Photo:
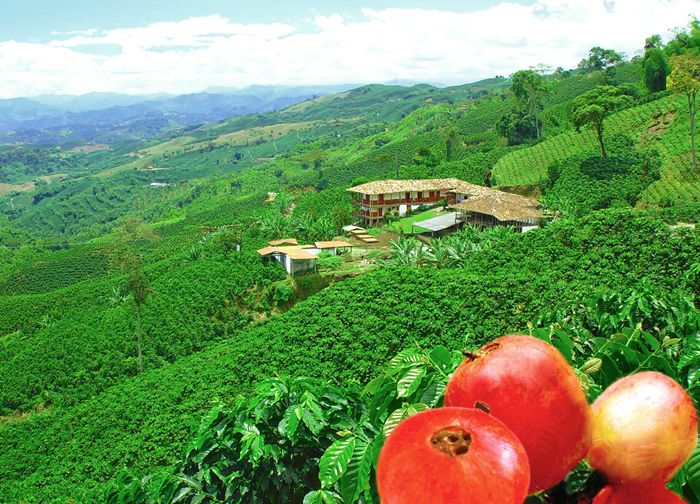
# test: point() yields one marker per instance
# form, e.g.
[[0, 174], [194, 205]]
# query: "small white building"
[[301, 258], [295, 258]]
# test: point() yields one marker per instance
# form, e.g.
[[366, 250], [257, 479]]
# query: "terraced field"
[[660, 124]]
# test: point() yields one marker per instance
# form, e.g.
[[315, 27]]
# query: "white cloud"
[[375, 46]]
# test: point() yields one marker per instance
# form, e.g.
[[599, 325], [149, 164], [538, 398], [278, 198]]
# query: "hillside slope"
[[141, 422], [661, 124]]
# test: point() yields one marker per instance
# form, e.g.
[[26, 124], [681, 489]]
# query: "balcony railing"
[[404, 201]]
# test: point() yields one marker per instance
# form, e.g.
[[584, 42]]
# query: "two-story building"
[[476, 204], [373, 200]]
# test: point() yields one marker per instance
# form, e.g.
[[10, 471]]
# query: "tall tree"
[[687, 40], [529, 89], [450, 134], [655, 65], [593, 107], [127, 257], [685, 79], [600, 59]]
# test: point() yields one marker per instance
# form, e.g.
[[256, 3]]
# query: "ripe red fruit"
[[450, 455], [644, 428], [648, 493], [527, 383]]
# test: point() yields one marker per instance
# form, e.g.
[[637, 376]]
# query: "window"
[[374, 197]]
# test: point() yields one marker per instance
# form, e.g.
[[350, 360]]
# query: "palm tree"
[[495, 234], [440, 253], [322, 228], [406, 251], [275, 225]]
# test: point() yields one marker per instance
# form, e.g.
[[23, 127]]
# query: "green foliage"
[[580, 185], [593, 107], [685, 79], [615, 334], [517, 127], [530, 166], [328, 262], [264, 449], [656, 69], [35, 271], [600, 59], [685, 41], [530, 89], [283, 293], [186, 311], [294, 436], [23, 163], [142, 422], [452, 251], [75, 409], [604, 337]]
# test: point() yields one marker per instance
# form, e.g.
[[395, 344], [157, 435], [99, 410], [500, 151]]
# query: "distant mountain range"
[[111, 117]]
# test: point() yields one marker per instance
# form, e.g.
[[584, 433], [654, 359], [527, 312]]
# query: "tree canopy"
[[685, 79], [593, 107], [655, 65], [600, 59], [529, 89]]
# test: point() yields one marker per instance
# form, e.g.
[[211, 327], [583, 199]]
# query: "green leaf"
[[670, 342], [331, 498], [432, 395], [290, 421], [393, 420], [211, 417], [692, 471], [335, 460], [397, 416], [441, 357], [312, 414], [407, 355], [563, 343], [373, 386], [410, 381], [356, 478], [651, 341], [379, 405], [592, 366], [322, 497]]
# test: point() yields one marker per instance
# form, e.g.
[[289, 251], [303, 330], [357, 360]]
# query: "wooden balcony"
[[395, 202]]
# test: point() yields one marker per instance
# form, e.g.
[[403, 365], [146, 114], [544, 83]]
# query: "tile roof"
[[299, 255], [447, 184], [290, 241], [392, 186], [283, 250], [501, 206], [332, 244]]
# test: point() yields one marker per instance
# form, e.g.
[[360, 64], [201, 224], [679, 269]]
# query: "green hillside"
[[661, 124], [327, 336]]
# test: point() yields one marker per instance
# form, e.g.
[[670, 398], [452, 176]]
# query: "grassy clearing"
[[8, 188], [406, 226], [264, 133]]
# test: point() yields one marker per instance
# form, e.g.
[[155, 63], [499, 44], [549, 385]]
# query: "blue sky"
[[183, 46], [36, 20]]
